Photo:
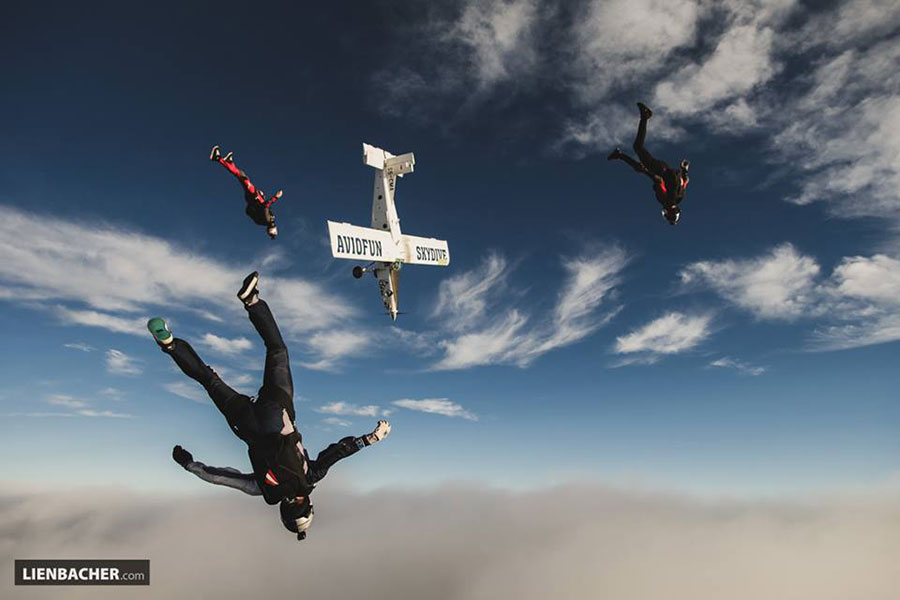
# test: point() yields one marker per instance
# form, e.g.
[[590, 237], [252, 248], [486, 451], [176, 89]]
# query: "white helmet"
[[667, 215], [297, 516]]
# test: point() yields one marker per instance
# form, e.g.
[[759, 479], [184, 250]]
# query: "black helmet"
[[297, 516]]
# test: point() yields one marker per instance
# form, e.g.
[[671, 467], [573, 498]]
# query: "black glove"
[[182, 456]]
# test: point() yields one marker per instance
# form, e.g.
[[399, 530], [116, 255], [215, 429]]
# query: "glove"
[[182, 456]]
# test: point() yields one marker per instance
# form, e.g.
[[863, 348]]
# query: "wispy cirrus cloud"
[[115, 277], [726, 67], [119, 363], [672, 333], [349, 409], [79, 346], [76, 408], [334, 345], [226, 346], [477, 330], [777, 285], [66, 401], [856, 305], [481, 45], [188, 391], [740, 366], [436, 406]]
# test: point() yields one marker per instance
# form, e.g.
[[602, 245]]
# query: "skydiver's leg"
[[241, 176], [229, 402], [619, 155], [278, 385], [652, 165]]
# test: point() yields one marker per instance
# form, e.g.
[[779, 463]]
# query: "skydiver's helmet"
[[672, 214], [297, 516]]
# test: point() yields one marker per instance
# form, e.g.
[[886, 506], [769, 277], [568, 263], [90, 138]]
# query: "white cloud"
[[460, 55], [670, 334], [497, 33], [508, 336], [617, 41], [79, 346], [93, 318], [599, 543], [335, 345], [336, 422], [104, 414], [115, 277], [114, 393], [875, 278], [188, 391], [857, 305], [232, 377], [224, 345], [119, 363], [79, 408], [741, 61], [777, 285], [463, 299], [348, 409], [845, 134], [738, 365], [67, 401], [41, 415], [436, 406]]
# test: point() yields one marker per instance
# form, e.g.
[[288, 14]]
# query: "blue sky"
[[575, 335]]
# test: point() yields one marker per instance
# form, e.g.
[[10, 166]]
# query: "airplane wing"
[[361, 243], [425, 251]]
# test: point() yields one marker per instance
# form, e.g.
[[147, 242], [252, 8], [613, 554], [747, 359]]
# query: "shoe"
[[272, 231], [248, 294], [229, 158], [214, 154], [646, 113], [182, 456], [278, 195], [160, 331], [382, 429], [615, 154]]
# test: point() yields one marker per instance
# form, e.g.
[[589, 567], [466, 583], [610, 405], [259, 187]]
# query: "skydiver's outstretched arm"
[[226, 476], [342, 449]]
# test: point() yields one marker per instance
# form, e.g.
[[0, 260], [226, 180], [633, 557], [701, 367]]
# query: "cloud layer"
[[573, 542]]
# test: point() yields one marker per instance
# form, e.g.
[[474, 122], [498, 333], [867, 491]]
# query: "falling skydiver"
[[669, 185], [258, 207], [282, 473]]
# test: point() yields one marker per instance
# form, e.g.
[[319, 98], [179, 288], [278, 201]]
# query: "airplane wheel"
[[358, 272]]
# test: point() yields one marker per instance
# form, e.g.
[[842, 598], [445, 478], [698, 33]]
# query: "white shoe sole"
[[247, 290]]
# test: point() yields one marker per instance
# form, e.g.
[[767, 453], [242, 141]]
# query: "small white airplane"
[[384, 245]]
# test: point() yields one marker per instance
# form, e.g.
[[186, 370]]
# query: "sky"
[[748, 352]]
